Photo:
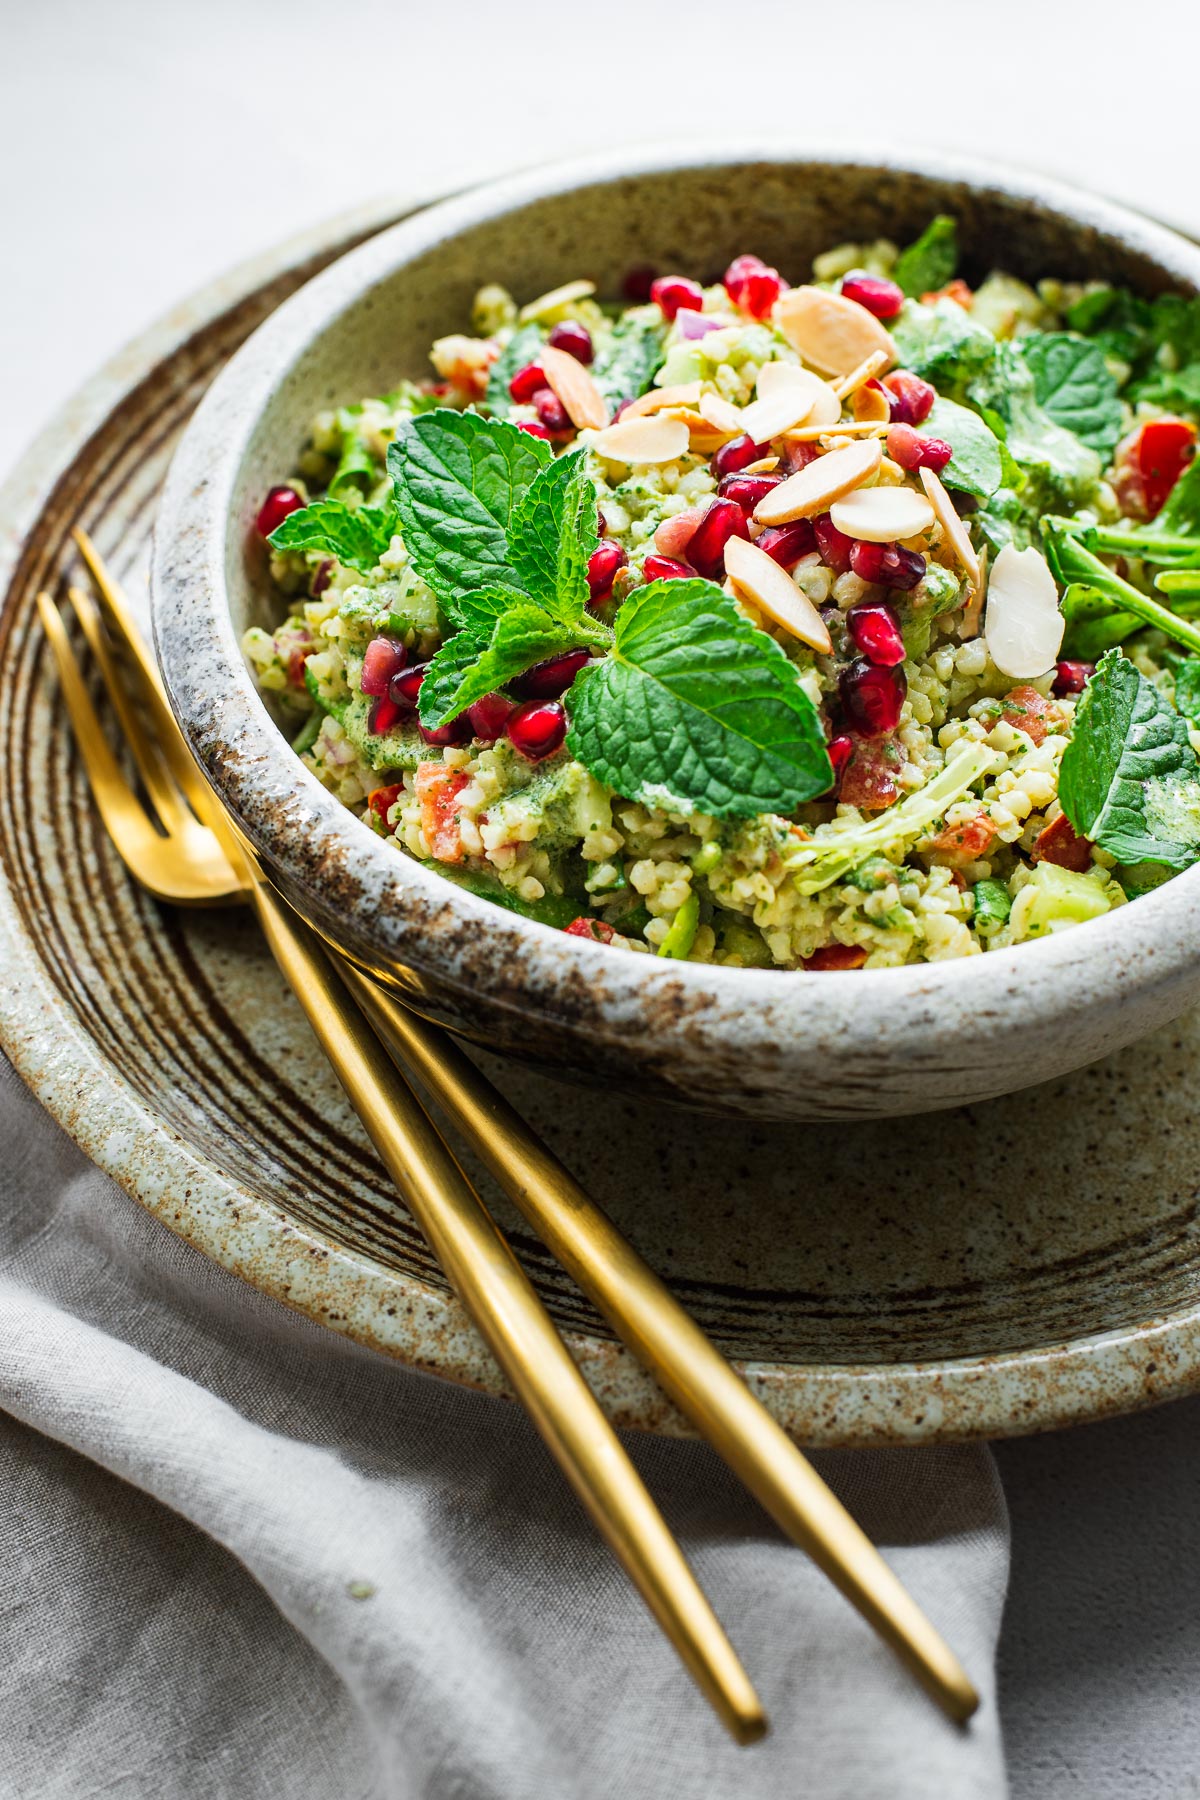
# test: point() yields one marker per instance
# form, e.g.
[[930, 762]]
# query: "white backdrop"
[[147, 147]]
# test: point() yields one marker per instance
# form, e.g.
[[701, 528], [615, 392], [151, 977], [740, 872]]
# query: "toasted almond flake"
[[782, 377], [1023, 627], [585, 404], [760, 579], [843, 428], [764, 466], [968, 625], [831, 333], [658, 439], [866, 369], [779, 412], [814, 489], [881, 515], [952, 525], [871, 403], [559, 296], [703, 437], [721, 414], [685, 393]]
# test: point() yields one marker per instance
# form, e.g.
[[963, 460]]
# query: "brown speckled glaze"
[[1002, 1268], [755, 1044]]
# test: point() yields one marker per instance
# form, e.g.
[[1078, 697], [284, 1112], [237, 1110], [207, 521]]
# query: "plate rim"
[[843, 1405]]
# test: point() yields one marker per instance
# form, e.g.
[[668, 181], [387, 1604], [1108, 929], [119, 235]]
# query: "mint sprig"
[[355, 536], [1129, 779], [697, 710], [553, 533]]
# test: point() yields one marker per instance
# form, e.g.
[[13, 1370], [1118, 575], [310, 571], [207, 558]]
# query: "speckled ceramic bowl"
[[757, 1044]]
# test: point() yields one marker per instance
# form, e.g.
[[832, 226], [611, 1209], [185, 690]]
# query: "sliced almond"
[[765, 465], [832, 334], [813, 489], [771, 589], [765, 419], [865, 372], [842, 428], [658, 439], [704, 438], [951, 524], [585, 404], [783, 377], [1023, 627], [870, 403], [721, 414], [559, 296], [774, 376], [685, 393], [972, 612], [881, 515]]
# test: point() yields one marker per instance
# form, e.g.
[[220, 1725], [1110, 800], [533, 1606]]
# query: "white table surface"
[[148, 147]]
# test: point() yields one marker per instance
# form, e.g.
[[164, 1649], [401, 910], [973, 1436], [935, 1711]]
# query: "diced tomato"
[[955, 290], [437, 790], [836, 956], [295, 665], [869, 777], [1165, 447], [597, 931], [967, 841], [381, 801], [1061, 844], [1030, 712]]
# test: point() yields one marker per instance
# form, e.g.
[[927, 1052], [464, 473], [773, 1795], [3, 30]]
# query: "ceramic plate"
[[995, 1270]]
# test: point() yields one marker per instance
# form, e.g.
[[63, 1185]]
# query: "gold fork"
[[644, 1312]]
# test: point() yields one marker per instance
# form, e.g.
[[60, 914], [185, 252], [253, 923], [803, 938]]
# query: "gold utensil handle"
[[663, 1337], [496, 1292]]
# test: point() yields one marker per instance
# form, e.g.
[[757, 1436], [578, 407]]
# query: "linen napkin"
[[243, 1557]]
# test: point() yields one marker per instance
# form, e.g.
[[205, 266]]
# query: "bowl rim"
[[415, 914]]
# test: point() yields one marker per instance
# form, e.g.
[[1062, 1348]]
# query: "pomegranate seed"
[[534, 427], [575, 339], [384, 714], [882, 298], [597, 931], [935, 454], [320, 580], [384, 658], [1072, 677], [548, 680], [280, 501], [875, 629], [747, 490], [665, 568], [602, 567], [736, 454], [753, 285], [489, 716], [833, 544], [798, 456], [537, 728], [638, 283], [706, 546], [458, 731], [910, 398], [526, 382], [404, 688], [786, 544], [840, 750], [551, 411], [904, 446], [872, 696], [675, 293], [887, 564]]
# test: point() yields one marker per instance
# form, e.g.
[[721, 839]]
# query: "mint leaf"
[[930, 262], [479, 610], [977, 465], [1062, 470], [1129, 778], [941, 343], [628, 361], [469, 665], [459, 479], [553, 533], [521, 349], [1072, 383], [356, 536], [697, 710]]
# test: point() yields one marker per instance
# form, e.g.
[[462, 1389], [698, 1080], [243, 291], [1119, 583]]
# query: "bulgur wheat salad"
[[840, 625]]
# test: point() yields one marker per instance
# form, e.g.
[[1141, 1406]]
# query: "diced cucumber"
[[993, 904], [1055, 898]]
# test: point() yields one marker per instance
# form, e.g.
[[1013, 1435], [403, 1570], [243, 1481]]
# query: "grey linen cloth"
[[242, 1557]]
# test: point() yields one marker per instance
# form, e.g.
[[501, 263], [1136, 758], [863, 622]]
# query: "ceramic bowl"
[[751, 1043]]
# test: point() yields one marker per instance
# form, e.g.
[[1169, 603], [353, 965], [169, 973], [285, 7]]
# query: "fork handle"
[[499, 1297], [666, 1340]]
